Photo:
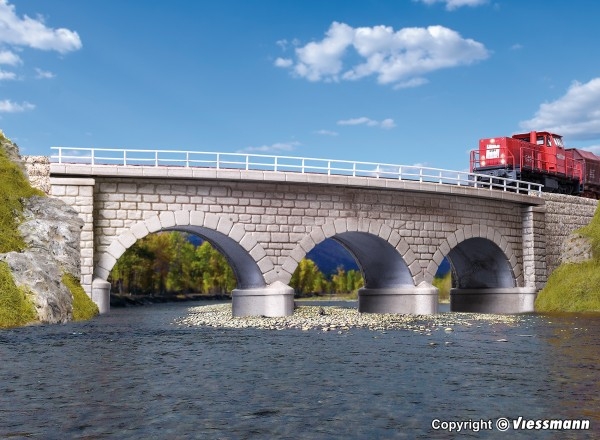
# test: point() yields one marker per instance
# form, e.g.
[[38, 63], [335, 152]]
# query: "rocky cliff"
[[50, 231]]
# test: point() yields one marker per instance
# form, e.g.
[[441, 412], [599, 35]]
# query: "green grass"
[[13, 186], [575, 287], [16, 308], [83, 307], [572, 288]]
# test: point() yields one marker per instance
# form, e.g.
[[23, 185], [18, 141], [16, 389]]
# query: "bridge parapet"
[[148, 163]]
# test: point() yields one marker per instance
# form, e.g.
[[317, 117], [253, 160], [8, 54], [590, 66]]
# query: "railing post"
[[218, 161], [93, 156], [353, 169], [59, 154], [187, 159], [275, 163], [124, 157], [155, 158], [247, 162], [329, 168], [303, 164]]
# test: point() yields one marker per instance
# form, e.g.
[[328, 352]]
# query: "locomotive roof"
[[538, 132]]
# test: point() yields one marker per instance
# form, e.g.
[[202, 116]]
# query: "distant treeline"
[[169, 263]]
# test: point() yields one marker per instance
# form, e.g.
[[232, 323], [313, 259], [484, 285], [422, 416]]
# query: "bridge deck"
[[177, 172]]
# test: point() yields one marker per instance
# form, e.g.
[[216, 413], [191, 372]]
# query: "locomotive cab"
[[550, 155]]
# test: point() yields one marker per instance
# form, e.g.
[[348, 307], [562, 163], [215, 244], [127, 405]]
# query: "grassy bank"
[[16, 308], [575, 287]]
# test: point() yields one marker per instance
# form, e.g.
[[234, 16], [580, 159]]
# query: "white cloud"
[[273, 148], [34, 33], [4, 75], [283, 62], [7, 106], [358, 121], [455, 4], [413, 82], [576, 114], [43, 74], [386, 123], [9, 58], [327, 132], [394, 57]]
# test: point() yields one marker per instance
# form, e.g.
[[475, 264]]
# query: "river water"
[[135, 374]]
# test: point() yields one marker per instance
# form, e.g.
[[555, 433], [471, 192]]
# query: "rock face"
[[51, 231], [576, 249]]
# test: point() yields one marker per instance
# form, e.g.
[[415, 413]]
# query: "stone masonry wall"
[[280, 215], [79, 194], [564, 214], [38, 171]]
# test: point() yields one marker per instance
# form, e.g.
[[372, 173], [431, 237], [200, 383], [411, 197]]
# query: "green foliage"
[[571, 288], [168, 264], [13, 187], [308, 279], [575, 287], [444, 284], [83, 306], [16, 309]]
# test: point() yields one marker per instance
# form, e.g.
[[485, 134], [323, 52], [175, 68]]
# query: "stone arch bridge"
[[500, 244]]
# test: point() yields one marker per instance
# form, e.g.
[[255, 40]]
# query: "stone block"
[[224, 226], [139, 230], [116, 249], [211, 221], [153, 224], [182, 218], [237, 232], [167, 219]]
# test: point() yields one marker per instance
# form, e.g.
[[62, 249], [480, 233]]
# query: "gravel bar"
[[332, 318]]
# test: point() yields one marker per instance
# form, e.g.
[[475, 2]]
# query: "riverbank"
[[334, 318]]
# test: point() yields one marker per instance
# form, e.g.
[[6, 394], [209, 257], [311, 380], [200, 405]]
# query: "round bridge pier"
[[271, 301], [419, 300], [510, 300]]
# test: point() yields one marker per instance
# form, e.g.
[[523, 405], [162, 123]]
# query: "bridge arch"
[[481, 257], [248, 259], [384, 257]]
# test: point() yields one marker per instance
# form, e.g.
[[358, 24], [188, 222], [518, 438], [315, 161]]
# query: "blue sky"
[[396, 81]]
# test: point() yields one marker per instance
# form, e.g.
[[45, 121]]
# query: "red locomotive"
[[539, 157]]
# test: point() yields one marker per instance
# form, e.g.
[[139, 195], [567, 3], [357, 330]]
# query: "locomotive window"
[[558, 141]]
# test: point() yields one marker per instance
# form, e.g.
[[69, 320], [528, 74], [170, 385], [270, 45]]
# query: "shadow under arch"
[[479, 263], [247, 272], [381, 264]]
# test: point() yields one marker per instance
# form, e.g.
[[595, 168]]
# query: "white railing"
[[261, 162]]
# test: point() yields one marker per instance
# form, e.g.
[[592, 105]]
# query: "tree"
[[169, 263]]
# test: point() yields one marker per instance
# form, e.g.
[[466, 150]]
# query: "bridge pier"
[[419, 300], [274, 300], [506, 300], [101, 294]]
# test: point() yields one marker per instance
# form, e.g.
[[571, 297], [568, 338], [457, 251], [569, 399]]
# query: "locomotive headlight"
[[503, 161], [482, 162]]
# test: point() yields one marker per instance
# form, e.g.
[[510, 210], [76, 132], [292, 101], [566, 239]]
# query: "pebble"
[[330, 318]]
